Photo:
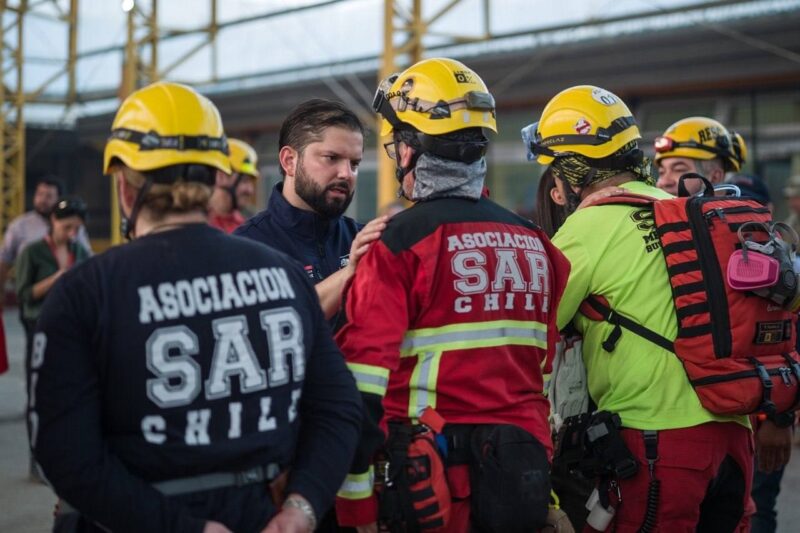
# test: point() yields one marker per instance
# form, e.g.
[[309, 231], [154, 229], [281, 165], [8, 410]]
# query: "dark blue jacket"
[[322, 245]]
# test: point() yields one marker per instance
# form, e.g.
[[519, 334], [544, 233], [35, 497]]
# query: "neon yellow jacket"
[[614, 252]]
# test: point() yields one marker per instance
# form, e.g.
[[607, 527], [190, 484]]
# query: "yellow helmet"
[[167, 124], [435, 96], [244, 159], [700, 138], [582, 120]]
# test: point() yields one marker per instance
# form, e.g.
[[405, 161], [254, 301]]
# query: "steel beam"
[[404, 32], [12, 119]]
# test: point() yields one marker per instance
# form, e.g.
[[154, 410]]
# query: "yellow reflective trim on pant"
[[370, 378], [357, 486], [475, 335], [422, 387]]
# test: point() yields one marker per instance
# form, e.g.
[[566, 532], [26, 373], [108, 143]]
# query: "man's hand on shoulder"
[[368, 234], [598, 196]]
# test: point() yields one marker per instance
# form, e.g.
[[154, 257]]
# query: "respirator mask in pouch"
[[767, 268]]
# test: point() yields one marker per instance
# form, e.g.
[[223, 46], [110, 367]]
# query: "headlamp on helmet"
[[701, 138]]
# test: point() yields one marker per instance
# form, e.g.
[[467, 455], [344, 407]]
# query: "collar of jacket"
[[301, 222]]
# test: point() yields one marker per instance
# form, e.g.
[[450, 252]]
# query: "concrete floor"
[[27, 506]]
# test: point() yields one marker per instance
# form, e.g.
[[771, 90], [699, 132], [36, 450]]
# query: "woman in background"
[[41, 263]]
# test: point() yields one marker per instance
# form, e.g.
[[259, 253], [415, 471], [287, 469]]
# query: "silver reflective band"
[[218, 480], [362, 378], [358, 486], [415, 344]]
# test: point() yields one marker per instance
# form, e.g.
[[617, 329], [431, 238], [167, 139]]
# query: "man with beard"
[[321, 145], [30, 227]]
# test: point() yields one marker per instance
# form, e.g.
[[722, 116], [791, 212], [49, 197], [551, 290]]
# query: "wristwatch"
[[306, 509]]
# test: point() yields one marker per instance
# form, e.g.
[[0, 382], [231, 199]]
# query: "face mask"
[[766, 268]]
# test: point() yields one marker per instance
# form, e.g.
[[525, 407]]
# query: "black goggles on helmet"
[[382, 103], [543, 146], [153, 141]]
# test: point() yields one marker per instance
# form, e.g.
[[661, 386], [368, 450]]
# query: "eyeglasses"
[[391, 150]]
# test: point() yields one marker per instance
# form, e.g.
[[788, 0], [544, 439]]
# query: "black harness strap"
[[619, 321], [795, 367], [654, 488], [767, 405]]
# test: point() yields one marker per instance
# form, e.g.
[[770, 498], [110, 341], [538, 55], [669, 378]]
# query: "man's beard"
[[44, 212], [316, 196]]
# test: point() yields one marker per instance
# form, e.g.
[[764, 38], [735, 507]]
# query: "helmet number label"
[[464, 76], [604, 97]]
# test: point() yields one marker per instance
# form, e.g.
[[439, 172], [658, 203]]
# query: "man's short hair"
[[707, 166], [51, 181], [307, 122]]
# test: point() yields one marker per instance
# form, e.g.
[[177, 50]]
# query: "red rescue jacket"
[[454, 308]]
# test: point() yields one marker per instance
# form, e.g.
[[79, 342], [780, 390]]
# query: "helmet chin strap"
[[128, 224], [232, 191]]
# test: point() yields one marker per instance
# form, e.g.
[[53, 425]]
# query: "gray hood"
[[443, 178]]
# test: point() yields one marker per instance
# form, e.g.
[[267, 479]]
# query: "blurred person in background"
[[41, 264], [792, 195], [697, 144], [247, 186], [773, 445], [230, 189], [44, 261], [32, 226], [751, 186]]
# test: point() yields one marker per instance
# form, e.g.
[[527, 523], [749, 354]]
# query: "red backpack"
[[738, 348]]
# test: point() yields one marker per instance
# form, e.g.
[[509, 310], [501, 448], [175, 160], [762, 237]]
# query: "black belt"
[[218, 480]]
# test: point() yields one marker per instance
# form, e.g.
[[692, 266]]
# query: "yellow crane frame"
[[405, 28]]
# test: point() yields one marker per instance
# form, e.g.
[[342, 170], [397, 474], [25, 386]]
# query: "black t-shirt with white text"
[[182, 353]]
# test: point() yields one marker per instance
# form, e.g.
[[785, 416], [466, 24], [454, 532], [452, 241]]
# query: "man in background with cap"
[[697, 144]]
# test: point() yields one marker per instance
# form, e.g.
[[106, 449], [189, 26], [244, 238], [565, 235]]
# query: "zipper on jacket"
[[709, 266]]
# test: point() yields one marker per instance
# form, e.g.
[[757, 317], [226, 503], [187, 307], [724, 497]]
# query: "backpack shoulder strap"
[[628, 198], [595, 306]]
